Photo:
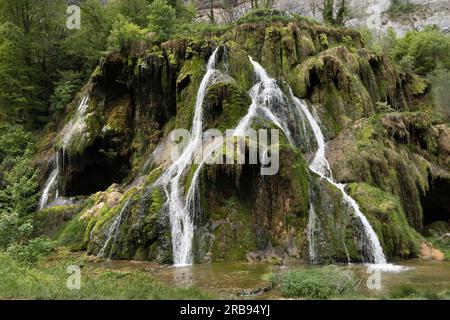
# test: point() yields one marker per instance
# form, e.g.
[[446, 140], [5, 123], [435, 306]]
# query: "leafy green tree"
[[16, 90], [88, 44], [65, 89], [162, 20], [328, 12], [123, 32], [21, 192], [18, 184], [136, 10], [423, 50]]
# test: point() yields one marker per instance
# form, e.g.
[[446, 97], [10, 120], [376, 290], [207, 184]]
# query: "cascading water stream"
[[50, 183], [76, 124], [113, 231], [265, 96], [182, 226], [321, 166]]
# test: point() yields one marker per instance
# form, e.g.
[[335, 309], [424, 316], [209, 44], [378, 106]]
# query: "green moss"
[[49, 221], [226, 103], [386, 216], [72, 235], [191, 74]]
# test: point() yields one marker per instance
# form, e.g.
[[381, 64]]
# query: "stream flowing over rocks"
[[355, 183]]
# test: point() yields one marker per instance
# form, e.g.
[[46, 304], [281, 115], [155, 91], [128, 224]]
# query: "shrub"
[[123, 32], [440, 81], [65, 89], [399, 8], [403, 291], [32, 251], [317, 283], [13, 228], [423, 50], [162, 20]]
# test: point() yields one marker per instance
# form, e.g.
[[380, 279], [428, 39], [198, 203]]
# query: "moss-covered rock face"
[[385, 214], [244, 212], [397, 153], [384, 139]]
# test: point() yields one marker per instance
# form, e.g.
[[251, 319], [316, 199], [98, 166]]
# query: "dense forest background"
[[43, 65]]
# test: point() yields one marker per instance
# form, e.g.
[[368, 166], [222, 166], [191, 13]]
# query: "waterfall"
[[310, 230], [76, 124], [321, 166], [182, 226], [266, 96], [50, 184], [113, 230]]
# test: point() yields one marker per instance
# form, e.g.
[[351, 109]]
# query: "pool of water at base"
[[243, 280]]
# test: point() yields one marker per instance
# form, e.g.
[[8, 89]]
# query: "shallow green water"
[[246, 280]]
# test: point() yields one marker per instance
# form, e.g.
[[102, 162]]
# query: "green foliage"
[[440, 81], [21, 192], [17, 92], [400, 8], [18, 187], [72, 235], [423, 51], [136, 10], [123, 32], [162, 20], [47, 280], [65, 89], [14, 140], [403, 291], [328, 12], [316, 283], [13, 228], [32, 251]]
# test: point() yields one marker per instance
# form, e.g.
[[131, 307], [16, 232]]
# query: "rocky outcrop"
[[395, 156]]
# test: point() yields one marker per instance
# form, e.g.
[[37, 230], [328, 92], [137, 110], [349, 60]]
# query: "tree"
[[162, 20], [423, 50], [136, 10], [328, 12], [123, 32], [17, 93]]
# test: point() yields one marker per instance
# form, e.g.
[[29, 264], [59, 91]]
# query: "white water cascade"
[[76, 125], [113, 230], [181, 222], [321, 166], [49, 185], [266, 96]]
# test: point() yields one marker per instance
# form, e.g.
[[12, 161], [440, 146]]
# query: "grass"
[[47, 280], [408, 292], [316, 283], [398, 9]]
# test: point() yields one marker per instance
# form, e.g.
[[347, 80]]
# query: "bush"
[[399, 8], [317, 283], [123, 32], [13, 228], [162, 20], [32, 251], [65, 89], [423, 51], [440, 81]]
